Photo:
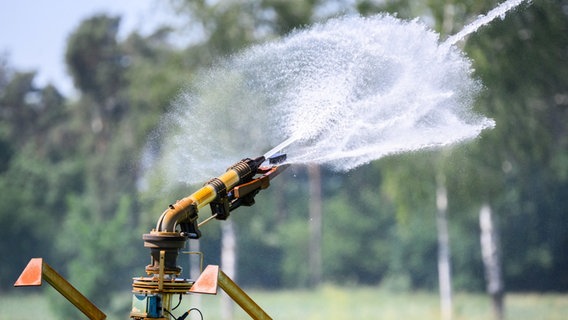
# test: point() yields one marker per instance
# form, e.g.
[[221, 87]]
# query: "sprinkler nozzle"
[[277, 158]]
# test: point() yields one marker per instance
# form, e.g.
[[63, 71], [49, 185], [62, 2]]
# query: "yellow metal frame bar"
[[212, 277], [37, 269], [241, 298]]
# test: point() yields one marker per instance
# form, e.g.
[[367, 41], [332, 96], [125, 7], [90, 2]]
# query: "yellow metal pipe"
[[199, 198], [203, 196], [241, 298]]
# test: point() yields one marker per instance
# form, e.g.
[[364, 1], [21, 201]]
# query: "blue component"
[[277, 158], [154, 306]]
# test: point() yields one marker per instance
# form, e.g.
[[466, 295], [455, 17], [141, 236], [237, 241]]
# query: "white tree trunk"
[[491, 260], [444, 267], [228, 264], [315, 207], [195, 269]]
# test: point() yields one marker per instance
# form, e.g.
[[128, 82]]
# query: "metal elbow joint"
[[186, 208]]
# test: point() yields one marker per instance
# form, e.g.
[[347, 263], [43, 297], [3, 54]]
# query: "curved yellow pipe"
[[186, 208], [189, 205]]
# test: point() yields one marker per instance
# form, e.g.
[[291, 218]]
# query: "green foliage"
[[94, 59], [33, 178], [293, 264], [70, 176], [352, 234], [103, 265], [523, 64]]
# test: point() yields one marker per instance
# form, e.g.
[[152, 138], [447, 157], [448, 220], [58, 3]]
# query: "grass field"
[[330, 303]]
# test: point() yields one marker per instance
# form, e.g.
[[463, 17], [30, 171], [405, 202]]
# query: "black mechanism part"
[[277, 158], [224, 203], [188, 225], [190, 229], [247, 200], [170, 244], [219, 206], [247, 168], [255, 163], [244, 194], [183, 316]]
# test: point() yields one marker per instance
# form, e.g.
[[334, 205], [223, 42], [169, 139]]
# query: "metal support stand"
[[212, 277], [37, 269]]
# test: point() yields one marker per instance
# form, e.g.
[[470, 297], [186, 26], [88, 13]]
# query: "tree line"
[[70, 167]]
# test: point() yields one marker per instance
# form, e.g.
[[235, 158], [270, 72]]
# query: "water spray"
[[499, 11], [414, 93], [344, 93], [281, 146], [341, 94]]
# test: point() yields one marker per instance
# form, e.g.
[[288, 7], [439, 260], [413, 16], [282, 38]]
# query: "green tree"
[[95, 237], [33, 179], [523, 65], [95, 60]]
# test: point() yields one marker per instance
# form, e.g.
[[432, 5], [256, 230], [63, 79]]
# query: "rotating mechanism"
[[152, 295]]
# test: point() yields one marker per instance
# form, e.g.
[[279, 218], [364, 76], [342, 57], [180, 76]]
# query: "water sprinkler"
[[236, 187]]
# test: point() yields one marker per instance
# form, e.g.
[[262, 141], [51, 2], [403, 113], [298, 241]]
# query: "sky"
[[34, 33]]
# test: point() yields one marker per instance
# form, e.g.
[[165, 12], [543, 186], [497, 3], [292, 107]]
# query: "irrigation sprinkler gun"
[[152, 295]]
